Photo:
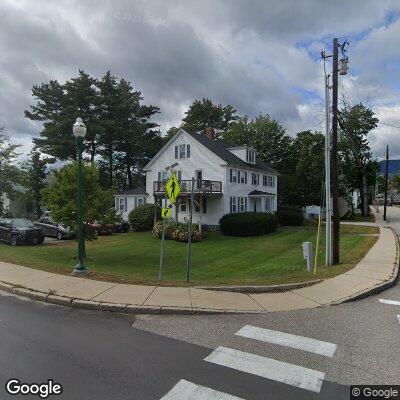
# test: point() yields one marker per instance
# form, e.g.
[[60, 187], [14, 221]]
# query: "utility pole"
[[334, 156], [328, 208], [386, 181]]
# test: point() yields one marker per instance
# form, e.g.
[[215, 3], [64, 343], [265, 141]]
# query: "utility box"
[[308, 255]]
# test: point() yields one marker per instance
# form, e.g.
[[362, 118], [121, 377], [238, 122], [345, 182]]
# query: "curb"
[[383, 286], [261, 289]]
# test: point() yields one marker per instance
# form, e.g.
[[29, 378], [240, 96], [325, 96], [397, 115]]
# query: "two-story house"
[[227, 179]]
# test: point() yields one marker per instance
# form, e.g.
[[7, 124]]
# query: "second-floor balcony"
[[201, 186]]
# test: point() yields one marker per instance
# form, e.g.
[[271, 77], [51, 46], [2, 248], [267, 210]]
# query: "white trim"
[[391, 302], [185, 390], [289, 340], [279, 371]]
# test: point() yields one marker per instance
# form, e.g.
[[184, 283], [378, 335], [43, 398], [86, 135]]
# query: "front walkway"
[[376, 271]]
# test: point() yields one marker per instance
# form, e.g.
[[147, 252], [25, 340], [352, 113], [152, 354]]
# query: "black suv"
[[20, 231]]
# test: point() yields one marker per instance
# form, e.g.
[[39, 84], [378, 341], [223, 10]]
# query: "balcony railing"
[[200, 186]]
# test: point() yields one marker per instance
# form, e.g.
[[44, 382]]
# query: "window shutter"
[[159, 176], [245, 177], [230, 206], [144, 200], [179, 175], [205, 205], [230, 174], [188, 151], [238, 175], [126, 204], [245, 204], [176, 151]]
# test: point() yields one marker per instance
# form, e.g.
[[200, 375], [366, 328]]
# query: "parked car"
[[52, 229], [101, 229], [17, 231], [122, 227]]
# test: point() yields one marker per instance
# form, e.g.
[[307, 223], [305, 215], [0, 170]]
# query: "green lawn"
[[134, 257]]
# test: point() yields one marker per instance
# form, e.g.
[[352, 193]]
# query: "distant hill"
[[394, 167]]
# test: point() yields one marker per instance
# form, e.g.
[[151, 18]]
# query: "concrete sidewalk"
[[376, 271]]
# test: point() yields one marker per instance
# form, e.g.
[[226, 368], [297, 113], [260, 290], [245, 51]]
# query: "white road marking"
[[279, 371], [398, 317], [392, 302], [289, 340], [185, 390]]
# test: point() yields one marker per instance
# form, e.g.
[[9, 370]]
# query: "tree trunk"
[[110, 167], [129, 175], [92, 152]]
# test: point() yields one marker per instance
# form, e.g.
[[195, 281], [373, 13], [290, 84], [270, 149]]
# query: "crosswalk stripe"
[[289, 340], [392, 302], [185, 390], [279, 371]]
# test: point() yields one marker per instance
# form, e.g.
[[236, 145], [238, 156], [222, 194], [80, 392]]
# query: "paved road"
[[103, 356]]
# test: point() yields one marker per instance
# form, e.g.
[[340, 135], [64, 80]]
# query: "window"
[[233, 201], [233, 175], [140, 201], [269, 180], [242, 204], [162, 176], [184, 207], [122, 204], [265, 180], [255, 178], [269, 204], [242, 176], [182, 151], [250, 156]]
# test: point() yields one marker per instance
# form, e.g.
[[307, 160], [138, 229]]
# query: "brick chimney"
[[209, 132]]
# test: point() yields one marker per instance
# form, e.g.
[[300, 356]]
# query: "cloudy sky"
[[259, 56]]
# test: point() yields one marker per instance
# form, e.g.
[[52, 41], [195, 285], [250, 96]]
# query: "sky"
[[259, 56]]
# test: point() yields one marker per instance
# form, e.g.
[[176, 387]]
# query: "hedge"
[[248, 224], [178, 232], [142, 217], [289, 216]]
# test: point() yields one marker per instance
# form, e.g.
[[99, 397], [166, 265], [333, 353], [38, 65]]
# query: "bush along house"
[[227, 179]]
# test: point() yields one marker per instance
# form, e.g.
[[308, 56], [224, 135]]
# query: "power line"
[[385, 123]]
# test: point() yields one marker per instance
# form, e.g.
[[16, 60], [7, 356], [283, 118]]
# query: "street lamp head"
[[79, 128]]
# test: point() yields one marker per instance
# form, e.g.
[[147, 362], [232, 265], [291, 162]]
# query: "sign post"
[[172, 190], [189, 253]]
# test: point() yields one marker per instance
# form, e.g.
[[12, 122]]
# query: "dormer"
[[245, 153]]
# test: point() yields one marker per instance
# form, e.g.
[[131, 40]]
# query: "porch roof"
[[260, 193]]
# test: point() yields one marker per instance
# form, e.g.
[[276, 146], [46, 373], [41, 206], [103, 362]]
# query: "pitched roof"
[[220, 148], [137, 191]]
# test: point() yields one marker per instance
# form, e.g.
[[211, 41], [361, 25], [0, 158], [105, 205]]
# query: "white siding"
[[131, 202], [213, 168]]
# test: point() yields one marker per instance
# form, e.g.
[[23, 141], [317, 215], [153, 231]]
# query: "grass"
[[134, 257], [360, 218]]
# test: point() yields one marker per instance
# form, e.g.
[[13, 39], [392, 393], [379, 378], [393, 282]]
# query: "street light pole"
[[79, 130]]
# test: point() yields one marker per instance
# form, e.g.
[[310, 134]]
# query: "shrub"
[[178, 232], [142, 217], [289, 216], [248, 224]]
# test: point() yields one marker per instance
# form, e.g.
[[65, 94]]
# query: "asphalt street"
[[304, 354], [96, 355]]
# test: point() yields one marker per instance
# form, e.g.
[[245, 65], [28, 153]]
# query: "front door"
[[198, 175]]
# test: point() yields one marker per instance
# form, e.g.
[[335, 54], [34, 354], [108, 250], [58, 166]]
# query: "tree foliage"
[[61, 197], [205, 114], [359, 169], [267, 137], [119, 129], [10, 174]]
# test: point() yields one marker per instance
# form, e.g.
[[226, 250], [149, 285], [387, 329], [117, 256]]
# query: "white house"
[[128, 200], [227, 179]]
